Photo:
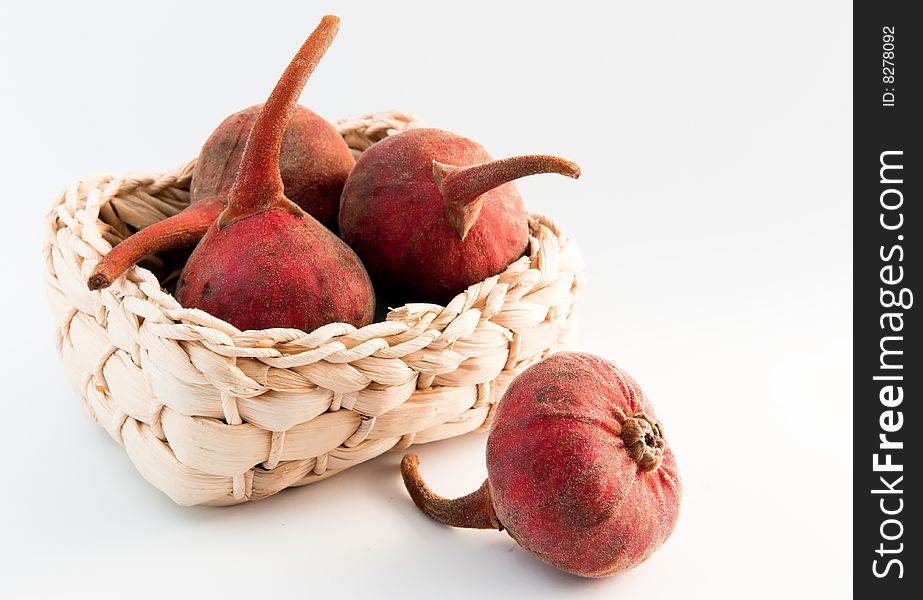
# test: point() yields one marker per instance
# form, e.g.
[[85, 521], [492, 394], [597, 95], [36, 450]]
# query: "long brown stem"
[[474, 511], [178, 231], [259, 184], [461, 187]]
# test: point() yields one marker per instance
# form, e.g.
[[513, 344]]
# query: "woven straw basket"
[[213, 415]]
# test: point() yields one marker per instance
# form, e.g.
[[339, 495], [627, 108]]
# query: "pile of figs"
[[426, 213], [291, 232]]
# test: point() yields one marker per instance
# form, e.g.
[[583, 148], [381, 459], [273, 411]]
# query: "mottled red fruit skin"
[[405, 241], [314, 162], [255, 274], [561, 481], [265, 263]]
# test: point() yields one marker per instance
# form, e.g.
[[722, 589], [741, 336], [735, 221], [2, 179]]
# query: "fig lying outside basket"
[[213, 415]]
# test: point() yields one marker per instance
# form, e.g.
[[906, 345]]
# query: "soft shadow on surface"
[[362, 520], [490, 562]]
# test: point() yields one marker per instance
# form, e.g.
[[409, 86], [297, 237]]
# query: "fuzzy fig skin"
[[314, 162], [277, 269], [426, 227], [265, 263], [579, 473]]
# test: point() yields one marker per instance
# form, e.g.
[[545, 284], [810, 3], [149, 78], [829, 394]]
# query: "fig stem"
[[259, 184], [182, 229], [474, 511], [462, 187]]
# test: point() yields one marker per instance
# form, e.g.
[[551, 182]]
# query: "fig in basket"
[[264, 262], [314, 162], [579, 471], [430, 213]]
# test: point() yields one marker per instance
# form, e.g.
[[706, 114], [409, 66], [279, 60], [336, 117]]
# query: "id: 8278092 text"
[[887, 65]]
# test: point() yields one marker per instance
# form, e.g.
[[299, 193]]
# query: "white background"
[[714, 215]]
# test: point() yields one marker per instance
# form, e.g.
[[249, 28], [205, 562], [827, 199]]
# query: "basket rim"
[[140, 283]]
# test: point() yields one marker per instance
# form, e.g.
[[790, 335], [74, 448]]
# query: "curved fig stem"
[[259, 184], [183, 229], [461, 187], [474, 511]]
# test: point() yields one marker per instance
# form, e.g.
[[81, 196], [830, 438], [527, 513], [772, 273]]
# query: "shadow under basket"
[[213, 415]]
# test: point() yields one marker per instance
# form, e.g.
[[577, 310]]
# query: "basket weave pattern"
[[213, 415]]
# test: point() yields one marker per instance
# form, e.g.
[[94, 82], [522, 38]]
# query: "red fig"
[[579, 471], [430, 213], [264, 262], [314, 163]]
